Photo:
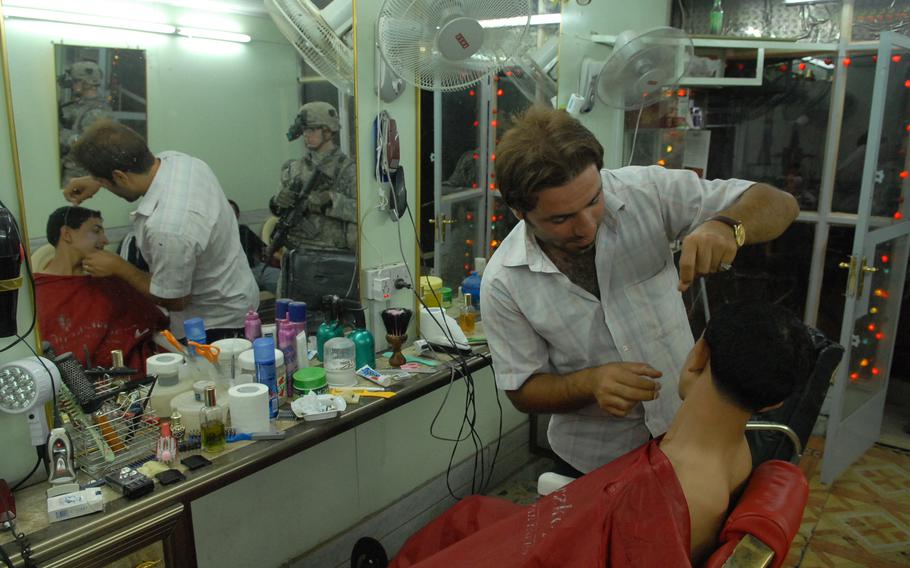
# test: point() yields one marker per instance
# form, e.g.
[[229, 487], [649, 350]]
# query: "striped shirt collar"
[[524, 250], [156, 189]]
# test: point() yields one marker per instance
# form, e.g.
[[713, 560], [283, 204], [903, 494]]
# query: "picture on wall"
[[97, 83]]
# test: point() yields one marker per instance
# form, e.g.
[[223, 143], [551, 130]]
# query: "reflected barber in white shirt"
[[185, 229], [581, 302]]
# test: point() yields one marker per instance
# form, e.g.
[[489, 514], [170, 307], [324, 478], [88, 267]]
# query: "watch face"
[[739, 232]]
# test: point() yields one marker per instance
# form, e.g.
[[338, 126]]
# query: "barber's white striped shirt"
[[537, 321]]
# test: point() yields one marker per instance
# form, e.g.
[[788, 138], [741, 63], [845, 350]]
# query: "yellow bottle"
[[468, 316]]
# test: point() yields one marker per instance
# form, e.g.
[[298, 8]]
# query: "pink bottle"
[[252, 327]]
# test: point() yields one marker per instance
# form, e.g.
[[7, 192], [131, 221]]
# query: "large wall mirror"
[[230, 104]]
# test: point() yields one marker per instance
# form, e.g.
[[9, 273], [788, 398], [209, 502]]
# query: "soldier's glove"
[[273, 206], [319, 201]]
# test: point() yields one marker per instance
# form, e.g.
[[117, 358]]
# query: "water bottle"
[[264, 357], [717, 18]]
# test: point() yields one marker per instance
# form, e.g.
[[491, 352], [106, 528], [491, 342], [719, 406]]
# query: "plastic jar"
[[165, 366], [340, 361], [310, 379], [431, 290]]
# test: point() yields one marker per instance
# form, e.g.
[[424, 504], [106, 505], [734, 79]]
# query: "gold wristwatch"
[[739, 232]]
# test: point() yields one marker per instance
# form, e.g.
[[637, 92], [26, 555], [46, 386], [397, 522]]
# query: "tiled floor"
[[862, 520]]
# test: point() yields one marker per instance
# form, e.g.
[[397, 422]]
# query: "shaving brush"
[[396, 322]]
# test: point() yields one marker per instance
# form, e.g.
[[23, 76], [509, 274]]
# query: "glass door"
[[876, 267]]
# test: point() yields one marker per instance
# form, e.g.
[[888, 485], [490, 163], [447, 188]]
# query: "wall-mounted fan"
[[446, 45], [642, 65], [318, 36]]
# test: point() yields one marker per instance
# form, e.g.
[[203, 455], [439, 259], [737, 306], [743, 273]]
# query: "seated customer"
[[81, 313], [663, 503]]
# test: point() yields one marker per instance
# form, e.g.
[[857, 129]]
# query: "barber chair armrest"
[[770, 509], [548, 482]]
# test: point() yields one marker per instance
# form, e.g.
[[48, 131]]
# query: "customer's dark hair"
[[760, 353], [545, 148], [107, 145], [71, 216]]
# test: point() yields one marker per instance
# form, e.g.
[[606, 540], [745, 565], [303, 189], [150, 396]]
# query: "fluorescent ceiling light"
[[794, 2], [536, 20], [88, 20], [213, 34]]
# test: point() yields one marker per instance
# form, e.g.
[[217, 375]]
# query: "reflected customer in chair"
[[90, 316], [664, 503], [318, 191], [87, 106], [184, 226]]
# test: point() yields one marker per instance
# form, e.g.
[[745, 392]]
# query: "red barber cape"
[[101, 314], [630, 512]]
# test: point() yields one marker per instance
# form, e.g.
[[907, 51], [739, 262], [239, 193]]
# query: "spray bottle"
[[364, 344], [331, 327]]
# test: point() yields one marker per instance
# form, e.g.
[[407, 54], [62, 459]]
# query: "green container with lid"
[[310, 379]]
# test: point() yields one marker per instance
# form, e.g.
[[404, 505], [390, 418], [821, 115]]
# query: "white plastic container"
[[340, 361], [166, 366], [229, 357], [247, 372]]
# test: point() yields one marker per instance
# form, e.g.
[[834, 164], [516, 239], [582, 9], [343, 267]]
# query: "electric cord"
[[25, 548], [31, 473], [469, 418]]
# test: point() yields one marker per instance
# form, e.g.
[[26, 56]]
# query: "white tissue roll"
[[249, 407]]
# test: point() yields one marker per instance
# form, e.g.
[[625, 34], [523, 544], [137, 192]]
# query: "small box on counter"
[[74, 504]]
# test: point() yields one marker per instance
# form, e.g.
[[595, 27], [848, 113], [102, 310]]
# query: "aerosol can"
[[60, 457]]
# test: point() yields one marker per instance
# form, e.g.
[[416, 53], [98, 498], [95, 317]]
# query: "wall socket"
[[379, 282]]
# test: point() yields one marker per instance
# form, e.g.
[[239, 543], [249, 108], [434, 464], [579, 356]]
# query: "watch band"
[[739, 232]]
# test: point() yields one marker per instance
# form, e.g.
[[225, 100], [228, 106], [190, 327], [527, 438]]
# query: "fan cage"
[[406, 33], [303, 25]]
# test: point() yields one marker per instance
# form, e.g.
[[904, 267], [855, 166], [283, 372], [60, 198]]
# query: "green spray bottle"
[[364, 344], [331, 327]]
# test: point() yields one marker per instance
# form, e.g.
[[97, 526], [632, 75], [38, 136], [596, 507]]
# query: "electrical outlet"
[[379, 282], [396, 272]]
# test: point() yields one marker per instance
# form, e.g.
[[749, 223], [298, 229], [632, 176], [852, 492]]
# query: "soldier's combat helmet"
[[86, 71]]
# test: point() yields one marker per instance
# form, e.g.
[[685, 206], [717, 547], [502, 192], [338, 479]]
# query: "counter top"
[[241, 459]]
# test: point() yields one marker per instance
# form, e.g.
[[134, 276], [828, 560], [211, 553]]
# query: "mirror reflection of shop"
[[97, 83]]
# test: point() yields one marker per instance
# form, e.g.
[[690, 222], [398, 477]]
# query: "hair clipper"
[[60, 457]]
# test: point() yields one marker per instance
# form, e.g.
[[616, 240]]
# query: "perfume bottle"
[[211, 423], [468, 315]]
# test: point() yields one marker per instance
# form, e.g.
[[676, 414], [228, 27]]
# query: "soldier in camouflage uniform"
[[87, 107], [329, 220]]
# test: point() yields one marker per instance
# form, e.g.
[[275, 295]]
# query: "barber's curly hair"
[[107, 145], [545, 148], [760, 353]]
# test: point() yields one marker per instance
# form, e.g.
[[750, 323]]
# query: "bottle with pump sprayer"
[[364, 343], [331, 327]]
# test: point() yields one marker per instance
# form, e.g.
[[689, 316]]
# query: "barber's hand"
[[706, 250], [103, 263], [81, 188], [620, 386], [319, 201]]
